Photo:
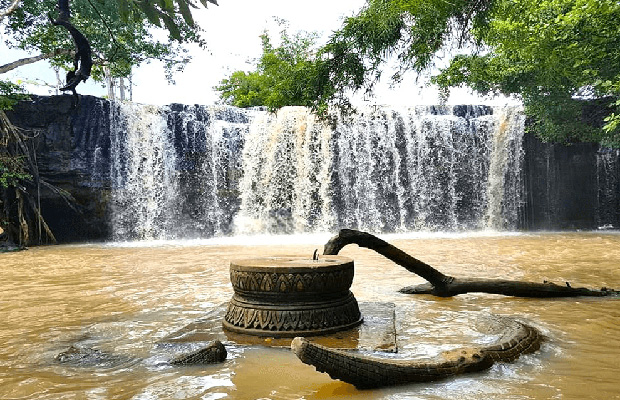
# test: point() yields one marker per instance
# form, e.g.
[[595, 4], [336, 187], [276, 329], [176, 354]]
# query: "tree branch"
[[9, 9], [446, 286], [363, 239], [29, 60]]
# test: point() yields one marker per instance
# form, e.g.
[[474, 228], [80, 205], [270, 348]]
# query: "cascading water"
[[426, 168], [287, 176], [208, 141], [174, 170], [143, 174], [505, 187], [198, 171]]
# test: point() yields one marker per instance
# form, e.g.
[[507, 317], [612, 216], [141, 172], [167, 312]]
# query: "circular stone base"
[[290, 320], [292, 296]]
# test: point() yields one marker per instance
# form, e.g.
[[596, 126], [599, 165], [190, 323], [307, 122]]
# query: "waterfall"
[[143, 174], [174, 170], [286, 181], [384, 170], [200, 171], [505, 188]]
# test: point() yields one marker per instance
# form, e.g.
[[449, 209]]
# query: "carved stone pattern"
[[292, 320], [334, 281]]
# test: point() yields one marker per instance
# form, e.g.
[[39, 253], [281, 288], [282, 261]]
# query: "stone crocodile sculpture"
[[366, 372], [84, 356]]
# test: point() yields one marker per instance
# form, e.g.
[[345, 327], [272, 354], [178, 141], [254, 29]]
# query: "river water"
[[122, 299]]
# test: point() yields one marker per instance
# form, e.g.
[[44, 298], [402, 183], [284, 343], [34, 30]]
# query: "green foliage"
[[120, 35], [10, 94], [12, 171], [353, 58], [283, 76], [411, 32], [553, 54], [174, 15]]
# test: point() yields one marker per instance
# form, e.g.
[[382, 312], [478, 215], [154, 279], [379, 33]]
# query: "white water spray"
[[386, 170]]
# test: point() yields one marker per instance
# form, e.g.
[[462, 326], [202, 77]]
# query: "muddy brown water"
[[122, 299]]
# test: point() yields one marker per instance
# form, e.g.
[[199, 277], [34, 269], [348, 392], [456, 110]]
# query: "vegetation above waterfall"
[[283, 76], [553, 54], [122, 33]]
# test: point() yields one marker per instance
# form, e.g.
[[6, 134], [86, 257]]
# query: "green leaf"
[[123, 9], [185, 11], [152, 14], [172, 27]]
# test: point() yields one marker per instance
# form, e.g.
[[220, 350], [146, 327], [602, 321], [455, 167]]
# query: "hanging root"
[[14, 149]]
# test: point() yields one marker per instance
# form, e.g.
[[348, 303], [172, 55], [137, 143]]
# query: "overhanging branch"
[[29, 60], [9, 9], [447, 286]]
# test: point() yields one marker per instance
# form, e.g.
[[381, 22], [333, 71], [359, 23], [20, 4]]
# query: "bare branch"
[[9, 10], [364, 239], [446, 286], [29, 60]]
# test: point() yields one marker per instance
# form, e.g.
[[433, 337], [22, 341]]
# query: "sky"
[[232, 32]]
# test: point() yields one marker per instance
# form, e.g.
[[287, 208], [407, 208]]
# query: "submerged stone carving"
[[292, 296], [86, 356], [78, 355], [371, 371], [215, 352]]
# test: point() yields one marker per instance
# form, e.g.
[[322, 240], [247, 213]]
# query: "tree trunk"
[[121, 88], [109, 81], [446, 286]]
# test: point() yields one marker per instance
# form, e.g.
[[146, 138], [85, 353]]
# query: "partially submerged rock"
[[79, 356], [212, 354]]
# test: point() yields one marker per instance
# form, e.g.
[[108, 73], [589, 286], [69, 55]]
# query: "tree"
[[553, 54], [353, 58], [283, 75], [119, 34]]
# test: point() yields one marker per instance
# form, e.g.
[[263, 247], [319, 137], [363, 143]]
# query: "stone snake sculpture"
[[366, 372]]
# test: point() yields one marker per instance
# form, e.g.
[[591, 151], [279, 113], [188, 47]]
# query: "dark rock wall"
[[67, 139], [570, 187]]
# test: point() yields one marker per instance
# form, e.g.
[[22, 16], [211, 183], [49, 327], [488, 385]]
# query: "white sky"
[[232, 32]]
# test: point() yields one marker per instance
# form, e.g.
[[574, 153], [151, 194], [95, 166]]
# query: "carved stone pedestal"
[[292, 296]]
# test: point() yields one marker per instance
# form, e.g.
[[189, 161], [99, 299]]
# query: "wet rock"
[[212, 354], [71, 144], [89, 357]]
